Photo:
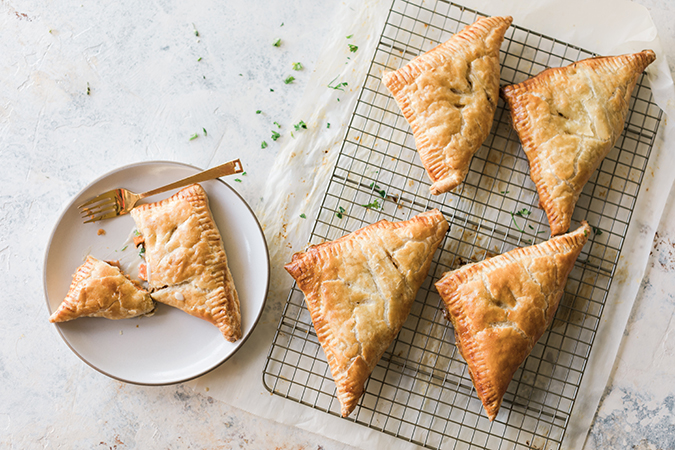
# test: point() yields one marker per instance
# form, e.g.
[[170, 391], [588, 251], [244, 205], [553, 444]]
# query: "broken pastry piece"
[[501, 306], [100, 289], [568, 120], [449, 96], [186, 265], [359, 290]]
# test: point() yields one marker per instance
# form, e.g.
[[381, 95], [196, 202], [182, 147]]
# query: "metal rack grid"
[[420, 390]]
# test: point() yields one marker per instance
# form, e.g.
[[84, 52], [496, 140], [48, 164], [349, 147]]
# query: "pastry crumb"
[[121, 332], [100, 232]]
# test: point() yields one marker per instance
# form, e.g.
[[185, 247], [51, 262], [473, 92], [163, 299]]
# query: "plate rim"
[[70, 204]]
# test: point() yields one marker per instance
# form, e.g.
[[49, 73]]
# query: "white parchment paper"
[[302, 168]]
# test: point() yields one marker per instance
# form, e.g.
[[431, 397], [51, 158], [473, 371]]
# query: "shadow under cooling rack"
[[421, 391]]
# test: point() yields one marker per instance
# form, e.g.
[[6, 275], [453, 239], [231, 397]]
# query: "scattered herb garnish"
[[199, 59], [196, 32], [522, 213], [275, 135], [271, 90], [289, 79], [258, 112], [124, 248], [353, 48], [377, 189], [300, 125], [277, 43], [277, 124], [585, 233], [136, 233], [597, 231], [282, 24], [350, 36], [238, 180], [337, 87], [141, 252], [340, 211], [505, 192], [263, 144], [303, 216], [297, 66], [328, 125], [374, 204], [205, 133], [194, 136], [88, 89], [243, 173]]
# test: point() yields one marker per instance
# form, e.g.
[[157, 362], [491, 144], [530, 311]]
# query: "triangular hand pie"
[[501, 306], [100, 289], [568, 119], [186, 262], [359, 290], [449, 96]]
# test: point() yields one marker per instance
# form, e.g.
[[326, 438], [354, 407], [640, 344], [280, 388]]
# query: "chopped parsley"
[[337, 87], [141, 253], [300, 125], [238, 180], [277, 43], [350, 36], [289, 79], [194, 136], [195, 28], [263, 144], [271, 90], [377, 189], [303, 216], [277, 124], [258, 112], [374, 204], [328, 125], [340, 211], [275, 135], [597, 231], [205, 133], [504, 192], [297, 66], [353, 48]]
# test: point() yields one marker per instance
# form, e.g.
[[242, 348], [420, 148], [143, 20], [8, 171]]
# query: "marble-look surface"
[[148, 93]]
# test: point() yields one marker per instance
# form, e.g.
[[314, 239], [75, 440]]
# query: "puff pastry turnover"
[[359, 290], [449, 96], [100, 289], [186, 262], [568, 119], [501, 306]]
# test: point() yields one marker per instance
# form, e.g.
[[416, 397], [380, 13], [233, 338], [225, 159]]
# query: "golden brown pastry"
[[100, 289], [449, 96], [501, 306], [186, 262], [568, 119], [359, 290]]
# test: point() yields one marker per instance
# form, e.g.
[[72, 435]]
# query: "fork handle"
[[229, 168]]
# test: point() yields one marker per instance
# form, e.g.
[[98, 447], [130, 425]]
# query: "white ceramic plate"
[[170, 346]]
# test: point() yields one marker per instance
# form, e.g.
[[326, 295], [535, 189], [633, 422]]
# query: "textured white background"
[[149, 94]]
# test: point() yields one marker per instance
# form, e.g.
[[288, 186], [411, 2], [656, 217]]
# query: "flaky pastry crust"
[[568, 119], [186, 262], [501, 306], [449, 96], [102, 290], [359, 290]]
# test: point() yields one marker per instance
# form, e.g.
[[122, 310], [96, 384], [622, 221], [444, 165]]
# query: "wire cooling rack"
[[421, 390]]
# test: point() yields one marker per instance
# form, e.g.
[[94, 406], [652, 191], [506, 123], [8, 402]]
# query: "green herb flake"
[[353, 48], [277, 124], [271, 90], [88, 89], [124, 248], [199, 59], [597, 231], [263, 144], [303, 216], [374, 204], [297, 66], [328, 125], [205, 133], [340, 211], [289, 79], [300, 125], [377, 189], [350, 36], [258, 112], [243, 173], [523, 212], [136, 233], [504, 192], [141, 253], [277, 43], [238, 180], [194, 136], [275, 135], [337, 87]]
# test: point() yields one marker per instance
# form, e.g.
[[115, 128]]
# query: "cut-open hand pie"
[[186, 262], [449, 96], [501, 306], [359, 290], [568, 119], [100, 289]]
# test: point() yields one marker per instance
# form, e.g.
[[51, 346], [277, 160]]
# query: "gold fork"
[[120, 201]]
